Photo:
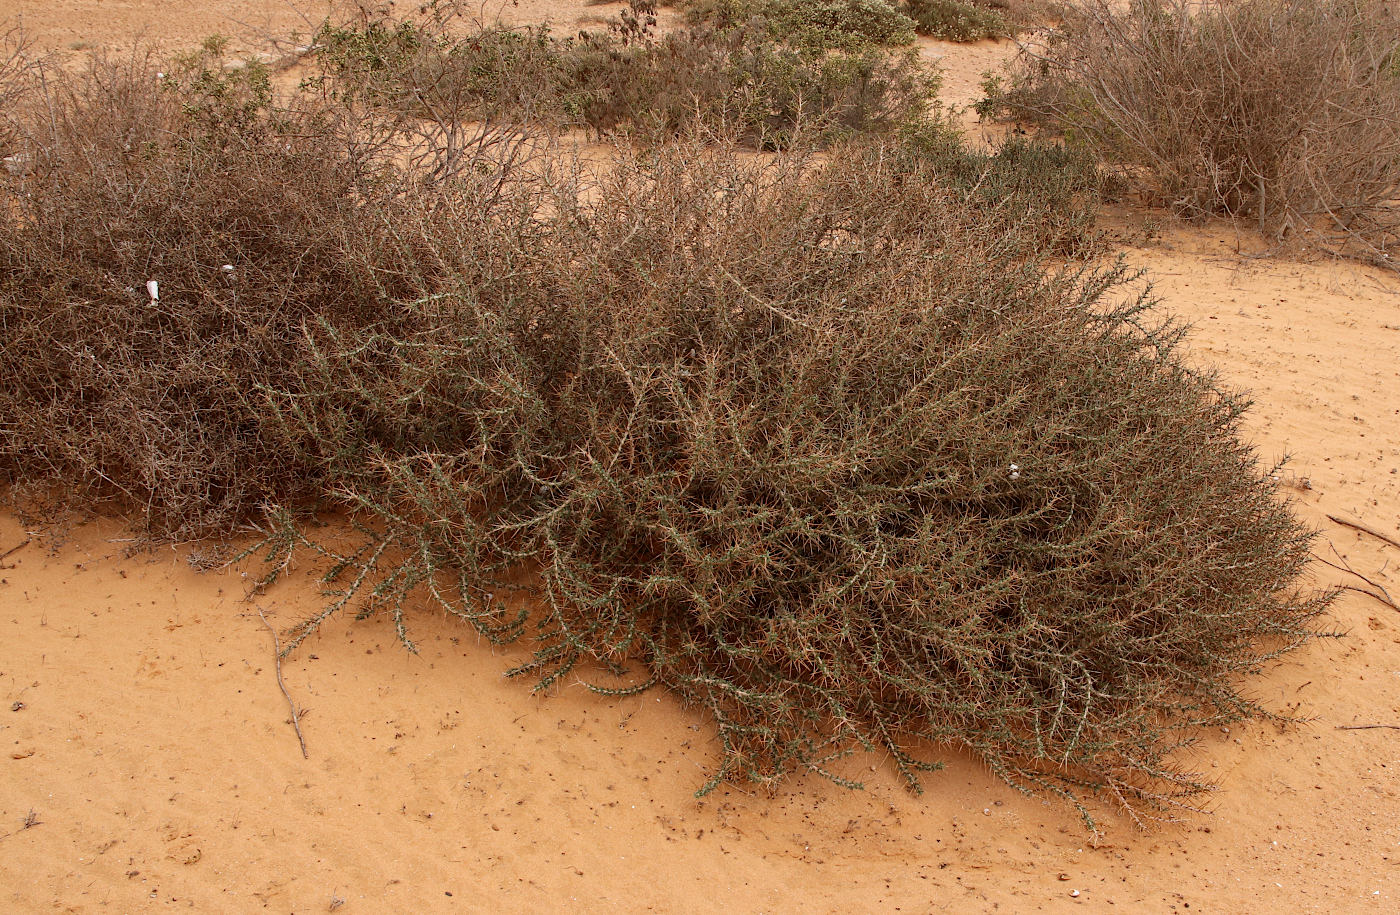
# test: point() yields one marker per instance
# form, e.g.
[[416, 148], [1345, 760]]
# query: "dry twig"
[[277, 660], [15, 549], [1357, 525], [1384, 595]]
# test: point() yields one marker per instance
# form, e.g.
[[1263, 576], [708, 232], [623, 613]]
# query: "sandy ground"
[[122, 24], [147, 760]]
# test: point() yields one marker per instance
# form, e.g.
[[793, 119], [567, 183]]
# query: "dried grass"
[[1285, 112]]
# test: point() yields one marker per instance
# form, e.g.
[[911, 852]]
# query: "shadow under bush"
[[825, 450]]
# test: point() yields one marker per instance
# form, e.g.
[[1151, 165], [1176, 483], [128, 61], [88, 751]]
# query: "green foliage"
[[954, 20], [813, 25], [220, 101], [734, 77], [736, 83], [418, 67], [356, 54], [1040, 190], [780, 93], [993, 102]]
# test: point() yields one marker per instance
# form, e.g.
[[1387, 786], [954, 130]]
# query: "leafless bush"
[[1283, 111]]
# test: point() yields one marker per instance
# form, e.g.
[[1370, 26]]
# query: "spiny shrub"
[[825, 449], [822, 443], [1286, 112], [730, 78], [173, 232], [953, 20]]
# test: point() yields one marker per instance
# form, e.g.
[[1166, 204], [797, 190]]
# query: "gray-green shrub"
[[742, 77], [954, 20], [814, 25]]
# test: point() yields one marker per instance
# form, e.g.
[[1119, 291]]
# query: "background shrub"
[[419, 66], [1286, 112], [953, 20], [738, 82], [1042, 193], [730, 74], [814, 25]]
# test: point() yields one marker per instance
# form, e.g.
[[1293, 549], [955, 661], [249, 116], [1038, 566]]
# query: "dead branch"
[[1357, 525], [277, 660]]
